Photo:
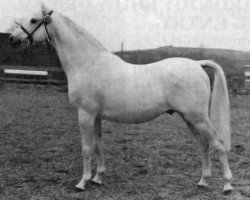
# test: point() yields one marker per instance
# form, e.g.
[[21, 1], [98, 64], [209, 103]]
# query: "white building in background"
[[247, 76]]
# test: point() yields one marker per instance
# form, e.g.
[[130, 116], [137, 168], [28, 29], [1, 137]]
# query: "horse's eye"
[[33, 21]]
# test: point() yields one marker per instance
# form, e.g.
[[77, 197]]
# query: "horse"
[[104, 87]]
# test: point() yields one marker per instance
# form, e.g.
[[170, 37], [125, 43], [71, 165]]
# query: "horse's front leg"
[[99, 152], [86, 123]]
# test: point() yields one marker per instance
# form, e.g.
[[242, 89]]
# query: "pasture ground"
[[40, 153]]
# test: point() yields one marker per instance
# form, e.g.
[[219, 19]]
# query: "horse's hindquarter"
[[187, 85]]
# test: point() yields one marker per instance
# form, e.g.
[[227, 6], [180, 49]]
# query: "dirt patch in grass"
[[40, 153]]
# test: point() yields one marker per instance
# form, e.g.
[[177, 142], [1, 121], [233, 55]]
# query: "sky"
[[144, 24]]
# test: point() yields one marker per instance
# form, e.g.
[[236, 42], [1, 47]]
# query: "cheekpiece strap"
[[46, 17]]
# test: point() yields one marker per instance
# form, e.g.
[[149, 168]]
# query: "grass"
[[40, 153]]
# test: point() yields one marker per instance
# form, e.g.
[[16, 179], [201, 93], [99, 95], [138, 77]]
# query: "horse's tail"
[[219, 104]]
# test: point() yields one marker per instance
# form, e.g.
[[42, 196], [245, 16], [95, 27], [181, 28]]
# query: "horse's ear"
[[44, 8]]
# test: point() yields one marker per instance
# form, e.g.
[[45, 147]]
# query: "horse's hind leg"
[[205, 155], [98, 151], [207, 132], [206, 164]]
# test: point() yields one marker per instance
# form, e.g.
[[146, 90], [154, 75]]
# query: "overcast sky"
[[143, 24]]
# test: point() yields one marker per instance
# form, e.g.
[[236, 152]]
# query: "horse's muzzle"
[[17, 43], [14, 43]]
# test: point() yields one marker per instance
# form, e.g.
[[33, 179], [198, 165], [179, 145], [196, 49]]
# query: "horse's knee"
[[86, 150], [218, 146], [86, 121]]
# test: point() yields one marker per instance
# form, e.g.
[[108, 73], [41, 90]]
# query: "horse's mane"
[[80, 30]]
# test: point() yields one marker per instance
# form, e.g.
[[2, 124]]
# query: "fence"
[[240, 85], [27, 74]]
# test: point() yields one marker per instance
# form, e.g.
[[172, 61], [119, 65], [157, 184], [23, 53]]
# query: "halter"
[[45, 21]]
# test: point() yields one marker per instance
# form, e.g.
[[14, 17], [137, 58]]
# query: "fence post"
[[122, 50], [235, 87], [49, 78], [1, 75]]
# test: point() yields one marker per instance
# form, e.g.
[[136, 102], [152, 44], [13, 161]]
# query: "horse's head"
[[31, 28]]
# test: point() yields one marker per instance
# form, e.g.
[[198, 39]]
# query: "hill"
[[231, 61]]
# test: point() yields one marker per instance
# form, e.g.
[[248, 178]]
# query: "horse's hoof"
[[96, 183], [227, 189], [202, 186], [97, 180], [76, 189], [203, 183], [227, 192], [80, 187]]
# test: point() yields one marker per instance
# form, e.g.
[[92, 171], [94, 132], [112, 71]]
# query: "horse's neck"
[[75, 47]]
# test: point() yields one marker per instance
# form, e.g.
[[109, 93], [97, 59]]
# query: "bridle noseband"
[[45, 21]]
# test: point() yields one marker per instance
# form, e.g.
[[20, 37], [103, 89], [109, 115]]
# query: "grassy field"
[[40, 153]]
